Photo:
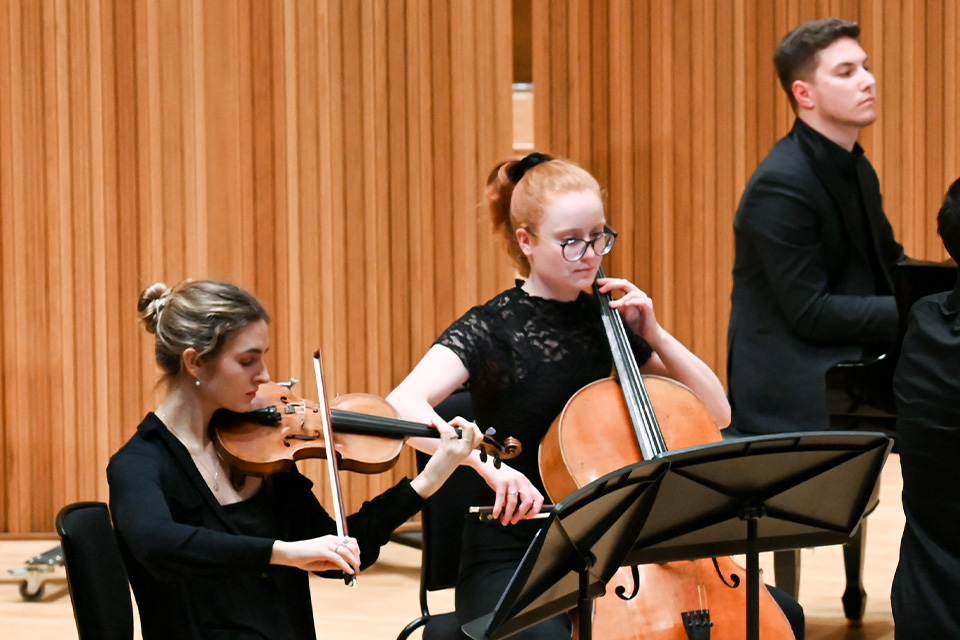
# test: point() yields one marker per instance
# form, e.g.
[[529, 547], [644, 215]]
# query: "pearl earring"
[[198, 382]]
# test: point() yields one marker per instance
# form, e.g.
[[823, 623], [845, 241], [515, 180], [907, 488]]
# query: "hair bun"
[[152, 301]]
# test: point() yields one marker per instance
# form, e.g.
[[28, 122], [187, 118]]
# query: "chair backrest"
[[445, 513], [443, 517], [96, 576]]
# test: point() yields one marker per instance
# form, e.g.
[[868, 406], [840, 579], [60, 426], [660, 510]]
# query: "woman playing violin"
[[529, 349], [209, 555]]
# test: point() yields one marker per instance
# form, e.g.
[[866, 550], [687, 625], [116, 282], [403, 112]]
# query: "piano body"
[[860, 392]]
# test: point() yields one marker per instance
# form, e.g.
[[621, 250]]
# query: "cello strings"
[[638, 401]]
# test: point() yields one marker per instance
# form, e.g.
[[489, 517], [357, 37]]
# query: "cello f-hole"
[[621, 590], [734, 578]]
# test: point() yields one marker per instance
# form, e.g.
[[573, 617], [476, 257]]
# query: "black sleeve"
[[891, 251], [779, 219], [379, 517], [372, 525], [469, 337], [169, 549]]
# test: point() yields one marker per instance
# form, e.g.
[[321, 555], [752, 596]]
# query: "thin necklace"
[[196, 458], [216, 473]]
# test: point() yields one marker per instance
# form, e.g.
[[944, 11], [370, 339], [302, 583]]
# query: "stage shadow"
[[829, 629]]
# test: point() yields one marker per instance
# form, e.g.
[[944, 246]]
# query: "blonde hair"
[[519, 189], [202, 314]]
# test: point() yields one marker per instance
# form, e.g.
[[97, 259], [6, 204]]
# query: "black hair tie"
[[517, 171]]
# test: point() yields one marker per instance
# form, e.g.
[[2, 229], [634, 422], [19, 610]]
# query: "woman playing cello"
[[208, 557], [529, 349]]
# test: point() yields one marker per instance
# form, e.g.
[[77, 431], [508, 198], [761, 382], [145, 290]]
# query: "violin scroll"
[[510, 448]]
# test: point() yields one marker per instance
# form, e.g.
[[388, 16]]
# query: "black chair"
[[443, 518], [96, 576]]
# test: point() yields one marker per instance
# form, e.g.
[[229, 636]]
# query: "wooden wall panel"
[[672, 106], [329, 156]]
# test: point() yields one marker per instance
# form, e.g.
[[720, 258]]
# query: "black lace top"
[[526, 357]]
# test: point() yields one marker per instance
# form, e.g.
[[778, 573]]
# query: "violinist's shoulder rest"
[[266, 416]]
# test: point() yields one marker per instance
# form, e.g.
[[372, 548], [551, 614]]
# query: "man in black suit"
[[814, 251]]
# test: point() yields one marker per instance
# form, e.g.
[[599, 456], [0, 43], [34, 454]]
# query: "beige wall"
[[330, 155]]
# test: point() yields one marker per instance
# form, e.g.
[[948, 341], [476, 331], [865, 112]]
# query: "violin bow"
[[326, 421]]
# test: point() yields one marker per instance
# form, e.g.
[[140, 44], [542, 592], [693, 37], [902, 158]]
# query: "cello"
[[615, 422]]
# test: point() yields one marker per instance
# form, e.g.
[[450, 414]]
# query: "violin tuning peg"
[[490, 432], [496, 462], [483, 455]]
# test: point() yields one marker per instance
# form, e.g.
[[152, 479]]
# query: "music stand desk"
[[576, 553], [762, 493]]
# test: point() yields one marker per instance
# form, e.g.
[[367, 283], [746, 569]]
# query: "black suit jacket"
[[807, 281]]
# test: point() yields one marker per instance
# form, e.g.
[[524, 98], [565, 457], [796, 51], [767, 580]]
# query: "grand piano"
[[860, 396], [860, 392]]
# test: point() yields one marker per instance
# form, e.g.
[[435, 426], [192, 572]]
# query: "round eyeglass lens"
[[605, 244], [573, 250]]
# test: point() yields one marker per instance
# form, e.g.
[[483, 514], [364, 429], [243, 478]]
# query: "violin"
[[284, 428], [362, 430]]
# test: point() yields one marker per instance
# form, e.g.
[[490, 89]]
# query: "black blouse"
[[527, 356], [202, 570]]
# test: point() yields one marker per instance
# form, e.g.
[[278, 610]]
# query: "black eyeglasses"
[[575, 248]]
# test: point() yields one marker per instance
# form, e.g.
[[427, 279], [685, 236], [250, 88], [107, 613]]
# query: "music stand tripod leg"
[[584, 602], [752, 515]]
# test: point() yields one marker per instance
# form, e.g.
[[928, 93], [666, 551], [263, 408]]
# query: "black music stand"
[[763, 493], [576, 553]]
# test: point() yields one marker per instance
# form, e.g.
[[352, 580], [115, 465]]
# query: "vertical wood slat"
[[60, 132], [290, 147], [708, 107], [6, 248]]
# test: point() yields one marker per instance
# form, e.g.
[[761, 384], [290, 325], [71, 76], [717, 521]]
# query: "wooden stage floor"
[[386, 598]]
